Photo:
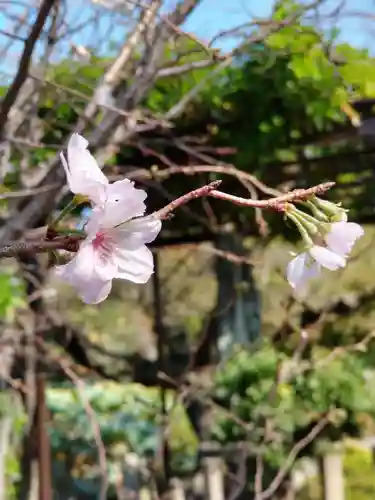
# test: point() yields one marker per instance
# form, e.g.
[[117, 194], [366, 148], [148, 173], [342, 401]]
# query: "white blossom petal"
[[83, 173], [80, 159], [342, 237], [123, 202], [78, 142], [92, 290], [326, 258], [136, 232], [135, 265], [301, 269], [67, 172], [95, 291], [89, 265], [126, 191], [80, 268], [105, 262]]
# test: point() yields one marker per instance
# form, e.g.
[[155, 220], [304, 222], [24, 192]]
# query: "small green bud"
[[311, 224], [333, 211], [317, 213]]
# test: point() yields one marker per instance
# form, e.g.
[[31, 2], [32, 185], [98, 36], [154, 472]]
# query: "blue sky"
[[211, 17]]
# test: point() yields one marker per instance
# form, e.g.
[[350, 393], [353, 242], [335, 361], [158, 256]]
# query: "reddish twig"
[[276, 203], [165, 212], [71, 243]]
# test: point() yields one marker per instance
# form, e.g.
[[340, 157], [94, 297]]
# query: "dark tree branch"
[[23, 67], [69, 243]]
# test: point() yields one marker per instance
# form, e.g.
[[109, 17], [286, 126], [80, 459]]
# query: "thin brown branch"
[[23, 67], [296, 450], [25, 193], [81, 390], [114, 73], [259, 473], [185, 68], [359, 346], [176, 110], [69, 243], [165, 212], [111, 133], [192, 37], [276, 203], [226, 169]]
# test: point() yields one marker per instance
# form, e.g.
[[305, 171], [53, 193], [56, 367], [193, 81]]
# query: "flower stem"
[[67, 209], [70, 232], [309, 218], [318, 214], [77, 200], [301, 228]]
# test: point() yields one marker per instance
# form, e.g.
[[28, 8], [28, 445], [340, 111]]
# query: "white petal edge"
[[80, 274], [137, 232], [135, 265], [67, 172], [296, 270], [80, 268], [77, 141], [343, 236], [85, 173], [301, 270], [120, 207], [326, 258], [95, 291]]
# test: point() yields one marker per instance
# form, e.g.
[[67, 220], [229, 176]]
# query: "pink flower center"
[[99, 240], [103, 244]]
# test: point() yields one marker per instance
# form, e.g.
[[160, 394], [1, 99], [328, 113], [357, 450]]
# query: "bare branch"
[[165, 212], [69, 243], [277, 203], [81, 390], [23, 68], [296, 450]]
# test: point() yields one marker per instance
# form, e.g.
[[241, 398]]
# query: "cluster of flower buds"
[[328, 239], [116, 232]]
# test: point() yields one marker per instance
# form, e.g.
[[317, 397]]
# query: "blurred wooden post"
[[145, 494], [44, 451], [213, 467], [177, 491], [198, 485], [333, 476], [162, 368], [5, 441]]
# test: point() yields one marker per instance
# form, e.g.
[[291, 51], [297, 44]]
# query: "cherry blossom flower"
[[328, 244], [342, 236], [115, 246], [83, 174], [85, 178], [308, 265]]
